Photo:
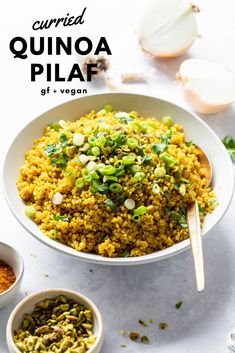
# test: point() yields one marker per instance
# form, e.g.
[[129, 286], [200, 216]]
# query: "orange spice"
[[7, 276]]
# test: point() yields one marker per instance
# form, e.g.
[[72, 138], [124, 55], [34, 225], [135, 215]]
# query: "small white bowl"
[[13, 259], [27, 306]]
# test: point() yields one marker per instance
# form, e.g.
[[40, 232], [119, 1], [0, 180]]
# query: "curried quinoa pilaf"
[[114, 183]]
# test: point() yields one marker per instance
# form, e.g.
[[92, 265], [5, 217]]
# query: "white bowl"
[[13, 259], [27, 306], [195, 129]]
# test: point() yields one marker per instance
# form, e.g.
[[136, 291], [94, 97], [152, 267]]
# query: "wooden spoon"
[[193, 218]]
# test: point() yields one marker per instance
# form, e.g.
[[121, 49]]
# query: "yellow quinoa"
[[162, 178]]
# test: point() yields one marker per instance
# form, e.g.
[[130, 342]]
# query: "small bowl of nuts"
[[55, 320], [11, 273]]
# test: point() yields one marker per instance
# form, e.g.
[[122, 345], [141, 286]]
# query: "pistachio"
[[57, 325]]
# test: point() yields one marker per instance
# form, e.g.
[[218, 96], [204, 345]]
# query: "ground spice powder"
[[7, 276]]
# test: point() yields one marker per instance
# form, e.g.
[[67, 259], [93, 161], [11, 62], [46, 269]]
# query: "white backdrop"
[[123, 295]]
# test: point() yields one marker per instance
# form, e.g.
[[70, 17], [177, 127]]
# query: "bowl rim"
[[21, 267], [32, 298], [119, 261]]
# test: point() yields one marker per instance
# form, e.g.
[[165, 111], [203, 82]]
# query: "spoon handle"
[[196, 243]]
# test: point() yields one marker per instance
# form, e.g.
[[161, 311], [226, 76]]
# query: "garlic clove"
[[137, 74], [168, 28], [208, 87]]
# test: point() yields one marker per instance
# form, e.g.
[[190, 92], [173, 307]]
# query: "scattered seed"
[[145, 339], [152, 321], [122, 332], [45, 274], [143, 323], [134, 336], [122, 345], [178, 305], [163, 325]]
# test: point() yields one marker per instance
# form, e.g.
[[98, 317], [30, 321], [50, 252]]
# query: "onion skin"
[[165, 55]]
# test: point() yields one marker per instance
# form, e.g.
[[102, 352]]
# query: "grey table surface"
[[125, 294]]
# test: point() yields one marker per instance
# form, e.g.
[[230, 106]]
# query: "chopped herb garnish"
[[124, 117], [111, 204], [179, 217], [147, 159], [61, 161], [63, 140], [163, 146], [201, 211], [122, 197], [52, 150], [178, 305], [189, 143], [101, 187], [61, 218], [229, 143], [185, 181], [143, 323], [125, 254]]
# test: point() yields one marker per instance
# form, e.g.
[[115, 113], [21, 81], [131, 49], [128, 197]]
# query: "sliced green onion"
[[87, 130], [147, 159], [55, 126], [91, 166], [30, 211], [85, 172], [101, 140], [168, 159], [108, 108], [135, 168], [107, 170], [52, 234], [87, 179], [79, 183], [128, 160], [104, 127], [118, 164], [78, 139], [129, 204], [120, 115], [160, 172], [83, 158], [109, 178], [115, 188], [96, 151], [139, 176], [185, 181], [157, 189], [132, 143], [92, 140], [136, 217], [140, 211], [94, 175], [63, 124], [111, 204], [167, 120]]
